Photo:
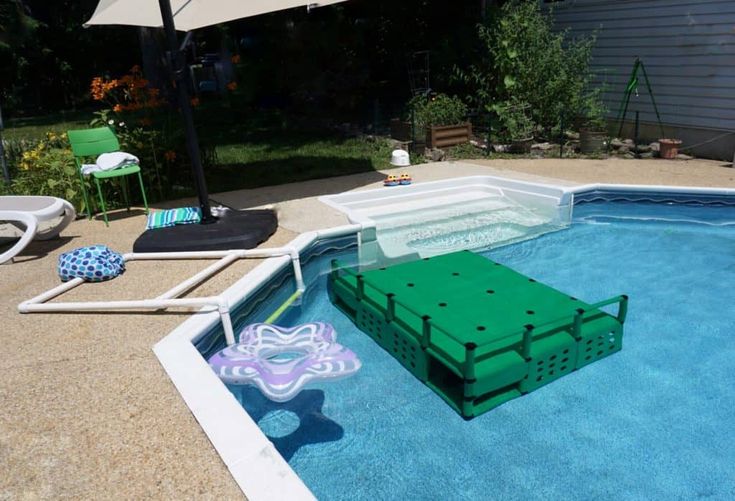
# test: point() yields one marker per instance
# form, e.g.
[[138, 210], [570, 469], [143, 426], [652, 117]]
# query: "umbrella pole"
[[192, 141]]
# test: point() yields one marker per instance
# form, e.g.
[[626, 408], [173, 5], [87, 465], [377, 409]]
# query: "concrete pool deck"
[[88, 412]]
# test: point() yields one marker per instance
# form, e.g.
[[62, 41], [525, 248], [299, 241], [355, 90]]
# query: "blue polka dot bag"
[[95, 263]]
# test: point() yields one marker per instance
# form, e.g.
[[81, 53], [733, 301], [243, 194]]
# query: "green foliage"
[[16, 26], [159, 142], [513, 120], [525, 62], [292, 157], [143, 142], [438, 110], [14, 149], [47, 58], [53, 174]]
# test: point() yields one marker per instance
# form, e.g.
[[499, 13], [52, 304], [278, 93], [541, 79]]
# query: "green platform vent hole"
[[371, 324], [403, 350], [600, 345], [555, 365]]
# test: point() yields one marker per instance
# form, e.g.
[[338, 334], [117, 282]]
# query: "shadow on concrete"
[[307, 175], [261, 181], [37, 249]]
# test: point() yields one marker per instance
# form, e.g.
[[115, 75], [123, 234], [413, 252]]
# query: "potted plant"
[[669, 148], [592, 124], [444, 119], [515, 125]]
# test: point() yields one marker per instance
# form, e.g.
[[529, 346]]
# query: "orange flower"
[[96, 89], [170, 156], [195, 101], [232, 85], [235, 59], [117, 108]]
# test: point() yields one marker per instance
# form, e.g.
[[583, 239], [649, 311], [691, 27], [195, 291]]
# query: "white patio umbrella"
[[190, 14], [231, 230]]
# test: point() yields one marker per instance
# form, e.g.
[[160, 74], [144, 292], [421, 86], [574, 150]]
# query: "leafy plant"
[[590, 110], [53, 173], [514, 121], [438, 110], [522, 59], [147, 129]]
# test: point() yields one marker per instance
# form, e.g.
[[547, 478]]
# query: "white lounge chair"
[[42, 218]]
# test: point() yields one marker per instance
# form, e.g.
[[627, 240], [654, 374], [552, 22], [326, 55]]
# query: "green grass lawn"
[[253, 150], [289, 157], [37, 127]]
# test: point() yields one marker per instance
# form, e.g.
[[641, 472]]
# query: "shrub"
[[50, 171], [513, 121], [438, 110], [523, 60], [147, 129]]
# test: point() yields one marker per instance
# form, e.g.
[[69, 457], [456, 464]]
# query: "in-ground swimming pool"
[[655, 421]]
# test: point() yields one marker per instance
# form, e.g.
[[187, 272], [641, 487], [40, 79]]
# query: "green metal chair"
[[94, 142]]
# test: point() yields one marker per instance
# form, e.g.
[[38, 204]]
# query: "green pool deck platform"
[[477, 332]]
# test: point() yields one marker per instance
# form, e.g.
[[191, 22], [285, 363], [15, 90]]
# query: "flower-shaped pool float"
[[280, 361]]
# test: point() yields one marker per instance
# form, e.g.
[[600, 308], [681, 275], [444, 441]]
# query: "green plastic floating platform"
[[473, 330]]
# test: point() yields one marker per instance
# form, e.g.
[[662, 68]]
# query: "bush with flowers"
[[145, 127], [44, 167], [130, 111]]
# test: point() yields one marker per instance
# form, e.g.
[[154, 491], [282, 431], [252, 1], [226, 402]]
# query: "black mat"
[[232, 230]]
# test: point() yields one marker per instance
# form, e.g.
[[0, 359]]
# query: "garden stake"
[[489, 135], [637, 124], [561, 137]]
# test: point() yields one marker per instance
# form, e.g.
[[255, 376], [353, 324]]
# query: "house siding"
[[687, 47]]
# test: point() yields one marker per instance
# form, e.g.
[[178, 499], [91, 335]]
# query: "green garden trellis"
[[630, 88]]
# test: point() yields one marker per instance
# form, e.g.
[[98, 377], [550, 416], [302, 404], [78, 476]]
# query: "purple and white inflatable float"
[[280, 361]]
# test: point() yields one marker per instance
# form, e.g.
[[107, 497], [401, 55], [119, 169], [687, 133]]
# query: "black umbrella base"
[[232, 230]]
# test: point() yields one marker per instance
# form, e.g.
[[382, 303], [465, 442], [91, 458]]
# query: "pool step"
[[472, 225], [429, 205], [476, 332]]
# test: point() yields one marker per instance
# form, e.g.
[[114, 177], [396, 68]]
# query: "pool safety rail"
[[171, 299], [476, 332]]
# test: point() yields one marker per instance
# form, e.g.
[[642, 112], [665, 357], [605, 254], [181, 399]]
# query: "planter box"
[[448, 135]]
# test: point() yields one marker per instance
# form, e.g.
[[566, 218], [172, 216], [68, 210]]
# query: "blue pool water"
[[655, 421]]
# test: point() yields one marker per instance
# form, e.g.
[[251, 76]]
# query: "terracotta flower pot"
[[669, 148]]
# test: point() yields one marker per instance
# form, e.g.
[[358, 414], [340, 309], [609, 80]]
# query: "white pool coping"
[[255, 464], [358, 206]]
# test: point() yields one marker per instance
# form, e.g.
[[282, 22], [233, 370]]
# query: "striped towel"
[[171, 217]]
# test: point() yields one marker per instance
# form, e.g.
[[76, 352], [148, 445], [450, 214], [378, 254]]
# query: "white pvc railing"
[[170, 298]]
